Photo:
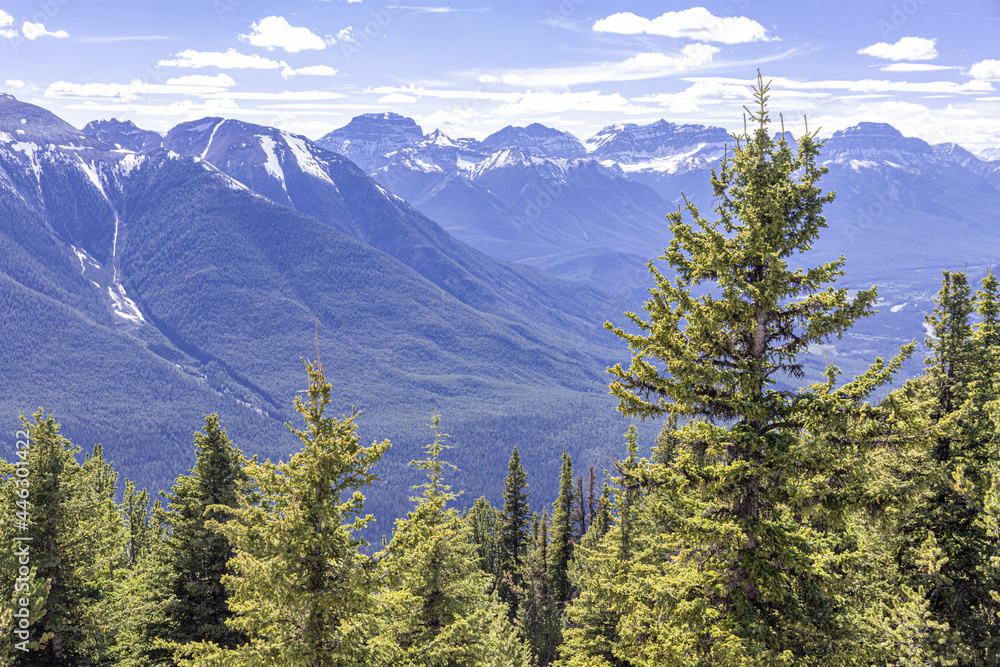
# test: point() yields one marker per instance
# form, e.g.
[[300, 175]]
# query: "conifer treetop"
[[720, 352]]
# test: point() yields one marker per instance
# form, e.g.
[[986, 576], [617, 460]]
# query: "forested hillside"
[[761, 526]]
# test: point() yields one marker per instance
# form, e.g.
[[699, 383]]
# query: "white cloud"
[[865, 85], [17, 84], [907, 48], [489, 78], [533, 102], [185, 85], [482, 95], [231, 59], [695, 23], [345, 35], [6, 20], [285, 95], [275, 32], [310, 70], [219, 80], [397, 98], [36, 30], [986, 70], [914, 67], [639, 67], [188, 108], [700, 94]]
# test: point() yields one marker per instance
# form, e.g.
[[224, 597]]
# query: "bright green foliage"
[[913, 636], [300, 589], [433, 591], [561, 548], [75, 532], [512, 537], [601, 563], [756, 485]]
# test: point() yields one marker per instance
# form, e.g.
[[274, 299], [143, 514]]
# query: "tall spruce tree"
[[743, 577], [562, 535], [197, 554], [439, 612], [513, 534], [75, 537], [962, 388], [301, 590]]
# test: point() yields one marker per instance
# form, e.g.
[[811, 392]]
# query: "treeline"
[[891, 560]]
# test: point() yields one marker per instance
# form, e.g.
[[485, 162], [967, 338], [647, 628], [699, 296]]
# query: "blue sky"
[[930, 68]]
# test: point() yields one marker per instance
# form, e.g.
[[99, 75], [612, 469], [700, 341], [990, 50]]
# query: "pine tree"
[[539, 616], [562, 535], [439, 611], [75, 537], [962, 388], [591, 498], [484, 522], [513, 534], [301, 588], [742, 578], [579, 511]]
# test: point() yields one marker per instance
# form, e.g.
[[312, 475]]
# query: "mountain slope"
[[159, 279]]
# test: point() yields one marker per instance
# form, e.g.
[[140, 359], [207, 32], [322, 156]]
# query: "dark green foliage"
[[563, 535], [513, 534], [947, 532], [75, 533]]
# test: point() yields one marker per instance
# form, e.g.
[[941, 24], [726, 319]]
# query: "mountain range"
[[147, 278]]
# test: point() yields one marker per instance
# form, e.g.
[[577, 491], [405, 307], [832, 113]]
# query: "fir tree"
[[513, 533], [197, 555], [75, 535], [562, 535], [484, 523], [962, 386], [439, 611], [301, 588], [741, 578]]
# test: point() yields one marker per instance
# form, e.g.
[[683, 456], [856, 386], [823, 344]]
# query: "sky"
[[930, 68]]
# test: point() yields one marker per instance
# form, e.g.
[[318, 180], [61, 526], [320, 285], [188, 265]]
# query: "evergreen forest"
[[777, 519]]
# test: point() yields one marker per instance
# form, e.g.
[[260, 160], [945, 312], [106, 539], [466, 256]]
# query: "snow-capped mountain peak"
[[537, 139], [371, 135]]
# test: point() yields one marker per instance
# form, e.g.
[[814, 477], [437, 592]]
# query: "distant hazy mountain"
[[123, 134], [141, 289], [370, 135], [904, 209], [531, 194]]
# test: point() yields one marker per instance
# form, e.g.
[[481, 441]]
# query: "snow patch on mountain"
[[271, 163], [208, 144], [130, 163], [305, 159], [91, 171]]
